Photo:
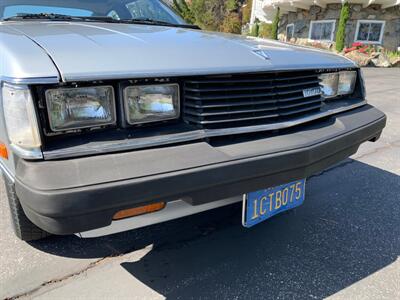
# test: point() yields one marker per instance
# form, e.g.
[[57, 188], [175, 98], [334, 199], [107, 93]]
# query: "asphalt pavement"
[[343, 243]]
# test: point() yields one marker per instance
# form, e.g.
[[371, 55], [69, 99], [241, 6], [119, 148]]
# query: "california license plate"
[[261, 205]]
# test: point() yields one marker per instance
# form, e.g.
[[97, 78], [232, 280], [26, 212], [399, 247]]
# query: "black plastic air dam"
[[76, 195]]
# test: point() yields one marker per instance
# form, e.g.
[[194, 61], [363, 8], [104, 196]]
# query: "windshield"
[[116, 9]]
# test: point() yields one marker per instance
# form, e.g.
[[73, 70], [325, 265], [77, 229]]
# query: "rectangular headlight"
[[329, 83], [75, 108], [20, 116], [339, 83], [151, 103], [347, 81]]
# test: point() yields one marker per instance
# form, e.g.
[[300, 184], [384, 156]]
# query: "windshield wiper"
[[107, 19], [59, 17], [149, 21]]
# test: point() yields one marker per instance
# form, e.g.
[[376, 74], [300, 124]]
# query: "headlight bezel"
[[119, 107], [337, 78], [113, 109], [352, 84], [125, 104]]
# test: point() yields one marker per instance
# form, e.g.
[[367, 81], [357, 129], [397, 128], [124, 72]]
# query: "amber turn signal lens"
[[131, 212], [3, 151]]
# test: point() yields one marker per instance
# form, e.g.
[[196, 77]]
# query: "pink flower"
[[357, 44]]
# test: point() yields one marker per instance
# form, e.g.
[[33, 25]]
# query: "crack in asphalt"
[[94, 264], [58, 280]]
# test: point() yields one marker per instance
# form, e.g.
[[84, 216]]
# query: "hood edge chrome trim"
[[30, 154], [30, 81]]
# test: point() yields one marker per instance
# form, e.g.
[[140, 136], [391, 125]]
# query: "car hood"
[[93, 51]]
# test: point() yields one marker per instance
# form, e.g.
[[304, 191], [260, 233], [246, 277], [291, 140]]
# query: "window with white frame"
[[369, 31], [289, 32], [322, 30]]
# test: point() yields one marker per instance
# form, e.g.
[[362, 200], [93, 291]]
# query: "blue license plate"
[[261, 205]]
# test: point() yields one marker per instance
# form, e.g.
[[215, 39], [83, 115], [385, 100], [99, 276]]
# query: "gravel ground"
[[343, 243]]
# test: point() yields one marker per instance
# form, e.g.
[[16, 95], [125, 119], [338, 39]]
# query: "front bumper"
[[77, 195]]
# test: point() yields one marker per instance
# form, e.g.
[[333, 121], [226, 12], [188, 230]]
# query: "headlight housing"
[[338, 83], [151, 103], [20, 117], [82, 107]]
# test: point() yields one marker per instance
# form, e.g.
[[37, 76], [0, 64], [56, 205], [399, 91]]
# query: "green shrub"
[[393, 54], [265, 30], [231, 23], [275, 25], [231, 5], [341, 32], [254, 30]]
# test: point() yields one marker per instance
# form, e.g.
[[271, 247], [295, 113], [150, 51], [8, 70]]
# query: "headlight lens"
[[74, 108], [347, 81], [329, 83], [151, 103], [339, 83], [20, 117]]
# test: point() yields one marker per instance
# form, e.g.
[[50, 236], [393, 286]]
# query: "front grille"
[[249, 99]]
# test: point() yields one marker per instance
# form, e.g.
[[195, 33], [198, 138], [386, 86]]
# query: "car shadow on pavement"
[[347, 229]]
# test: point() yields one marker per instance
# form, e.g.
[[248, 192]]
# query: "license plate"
[[261, 205]]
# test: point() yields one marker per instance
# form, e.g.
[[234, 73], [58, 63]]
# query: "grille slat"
[[235, 110], [232, 120], [256, 78], [219, 97], [228, 89], [222, 81], [228, 112], [297, 83], [296, 111], [227, 103], [318, 100], [245, 99]]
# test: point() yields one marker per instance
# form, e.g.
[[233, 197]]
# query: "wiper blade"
[[25, 16], [149, 21], [51, 16], [61, 17]]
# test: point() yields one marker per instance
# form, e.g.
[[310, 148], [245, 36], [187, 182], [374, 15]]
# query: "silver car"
[[117, 114]]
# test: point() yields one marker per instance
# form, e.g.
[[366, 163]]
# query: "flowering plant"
[[360, 47]]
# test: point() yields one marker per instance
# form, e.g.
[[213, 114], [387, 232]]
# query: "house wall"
[[257, 12], [302, 18]]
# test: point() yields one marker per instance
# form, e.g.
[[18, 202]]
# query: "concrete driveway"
[[343, 243]]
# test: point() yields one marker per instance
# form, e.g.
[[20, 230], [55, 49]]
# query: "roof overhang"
[[292, 5]]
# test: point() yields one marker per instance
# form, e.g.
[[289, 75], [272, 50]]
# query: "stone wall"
[[301, 20]]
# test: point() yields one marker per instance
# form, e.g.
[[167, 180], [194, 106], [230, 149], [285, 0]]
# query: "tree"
[[177, 6], [341, 32], [254, 30], [209, 14], [214, 15], [183, 9], [232, 5], [232, 23], [246, 12], [275, 25]]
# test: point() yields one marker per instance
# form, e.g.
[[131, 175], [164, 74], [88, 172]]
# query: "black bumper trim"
[[312, 149]]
